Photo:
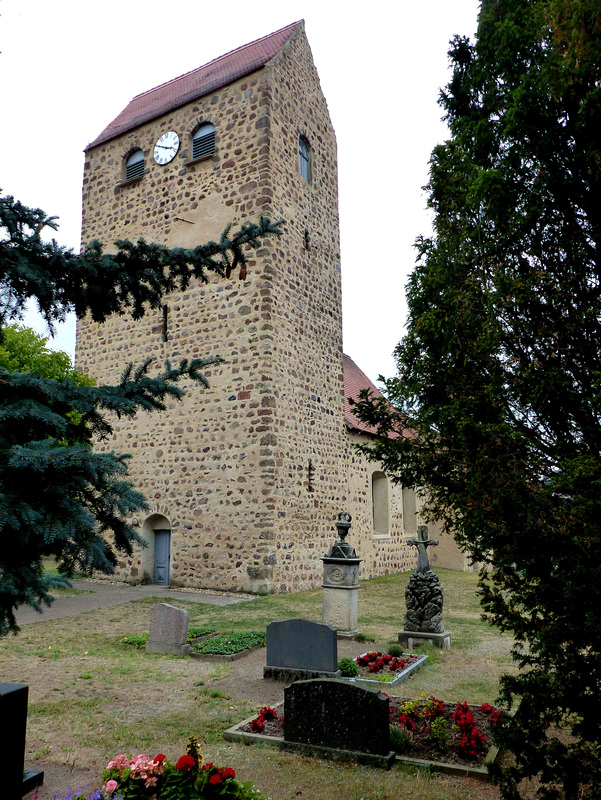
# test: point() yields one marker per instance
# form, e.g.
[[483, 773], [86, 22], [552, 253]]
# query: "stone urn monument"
[[424, 600], [341, 582]]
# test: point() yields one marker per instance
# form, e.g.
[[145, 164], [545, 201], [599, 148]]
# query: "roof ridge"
[[219, 58]]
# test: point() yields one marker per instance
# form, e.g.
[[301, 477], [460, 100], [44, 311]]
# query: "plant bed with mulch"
[[454, 738], [195, 636], [228, 647], [376, 669]]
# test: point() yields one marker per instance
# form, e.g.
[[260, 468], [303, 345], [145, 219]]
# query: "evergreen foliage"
[[499, 375], [59, 498]]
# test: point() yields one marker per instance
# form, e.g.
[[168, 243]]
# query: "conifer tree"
[[499, 374], [59, 498]]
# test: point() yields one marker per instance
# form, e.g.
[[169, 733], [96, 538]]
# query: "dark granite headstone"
[[13, 712], [301, 648], [337, 715]]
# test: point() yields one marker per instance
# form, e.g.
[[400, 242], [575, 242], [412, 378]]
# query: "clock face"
[[166, 147]]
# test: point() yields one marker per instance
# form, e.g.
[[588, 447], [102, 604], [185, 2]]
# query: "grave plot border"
[[235, 734], [401, 676], [229, 657]]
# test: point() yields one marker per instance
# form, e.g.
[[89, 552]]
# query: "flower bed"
[[228, 647], [194, 635], [142, 778], [376, 668], [450, 737]]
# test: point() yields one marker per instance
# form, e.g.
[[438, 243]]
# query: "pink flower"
[[111, 786]]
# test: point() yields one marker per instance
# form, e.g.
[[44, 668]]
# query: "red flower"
[[159, 759], [228, 772], [184, 763], [215, 778]]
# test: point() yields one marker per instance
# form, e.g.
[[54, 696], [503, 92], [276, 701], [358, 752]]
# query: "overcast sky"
[[68, 67]]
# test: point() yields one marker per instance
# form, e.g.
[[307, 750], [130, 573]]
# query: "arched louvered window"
[[203, 141], [304, 159], [134, 165]]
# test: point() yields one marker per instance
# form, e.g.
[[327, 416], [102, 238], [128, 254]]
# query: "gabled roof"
[[204, 80], [354, 381]]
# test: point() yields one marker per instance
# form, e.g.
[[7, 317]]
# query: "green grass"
[[91, 696]]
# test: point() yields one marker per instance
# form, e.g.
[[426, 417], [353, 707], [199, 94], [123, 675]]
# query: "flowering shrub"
[[471, 739], [257, 724], [376, 662], [143, 778], [492, 711], [431, 726]]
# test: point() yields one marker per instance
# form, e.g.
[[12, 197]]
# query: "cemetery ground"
[[91, 696]]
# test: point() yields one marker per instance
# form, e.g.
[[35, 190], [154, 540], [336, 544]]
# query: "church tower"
[[244, 479]]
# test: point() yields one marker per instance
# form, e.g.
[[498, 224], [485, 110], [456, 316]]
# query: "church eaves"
[[197, 83]]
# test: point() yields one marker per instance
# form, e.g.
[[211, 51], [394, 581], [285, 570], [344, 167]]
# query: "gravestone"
[[168, 630], [298, 649], [341, 582], [338, 719], [424, 599], [13, 712]]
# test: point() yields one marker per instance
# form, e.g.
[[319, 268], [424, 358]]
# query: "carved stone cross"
[[422, 543]]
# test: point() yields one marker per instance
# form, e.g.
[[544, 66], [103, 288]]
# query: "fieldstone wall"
[[250, 474], [228, 467]]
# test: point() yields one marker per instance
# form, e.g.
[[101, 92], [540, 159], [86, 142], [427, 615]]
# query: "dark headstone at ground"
[[300, 648], [13, 712], [337, 715]]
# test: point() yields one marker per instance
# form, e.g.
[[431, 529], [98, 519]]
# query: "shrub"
[[400, 741], [348, 668], [231, 643], [439, 733]]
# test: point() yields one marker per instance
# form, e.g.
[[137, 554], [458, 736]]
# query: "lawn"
[[92, 696]]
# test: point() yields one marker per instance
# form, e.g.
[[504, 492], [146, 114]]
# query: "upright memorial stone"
[[13, 712], [299, 649], [168, 630], [341, 582], [337, 719], [424, 599]]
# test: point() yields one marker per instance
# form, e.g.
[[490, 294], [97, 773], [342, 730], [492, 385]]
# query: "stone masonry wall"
[[228, 467]]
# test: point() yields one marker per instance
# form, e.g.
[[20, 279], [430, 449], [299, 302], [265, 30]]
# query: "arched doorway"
[[162, 553], [156, 557]]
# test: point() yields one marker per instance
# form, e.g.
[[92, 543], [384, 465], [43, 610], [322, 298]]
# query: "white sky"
[[68, 67]]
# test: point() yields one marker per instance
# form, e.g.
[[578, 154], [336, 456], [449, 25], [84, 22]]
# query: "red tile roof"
[[212, 76], [354, 381]]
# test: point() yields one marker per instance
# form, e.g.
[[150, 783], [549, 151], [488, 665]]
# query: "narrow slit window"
[[134, 165], [165, 326], [304, 159], [203, 141]]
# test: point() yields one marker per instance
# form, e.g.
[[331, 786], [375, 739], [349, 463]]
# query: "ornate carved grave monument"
[[424, 600], [341, 582]]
